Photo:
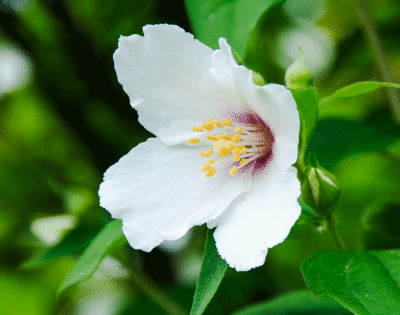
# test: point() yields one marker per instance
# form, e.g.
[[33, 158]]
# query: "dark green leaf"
[[366, 283], [307, 104], [335, 139], [356, 90], [107, 240], [296, 303], [381, 227], [324, 273], [211, 274], [373, 285], [234, 20]]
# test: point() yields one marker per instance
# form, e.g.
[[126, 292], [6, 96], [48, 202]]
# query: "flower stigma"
[[244, 143]]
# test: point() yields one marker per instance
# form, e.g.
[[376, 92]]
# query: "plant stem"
[[156, 294], [333, 234], [376, 47]]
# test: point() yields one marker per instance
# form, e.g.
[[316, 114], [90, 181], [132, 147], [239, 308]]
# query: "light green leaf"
[[307, 104], [211, 274], [356, 90], [108, 239], [299, 303], [366, 283], [234, 20]]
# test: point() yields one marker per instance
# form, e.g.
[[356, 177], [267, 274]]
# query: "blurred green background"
[[64, 119]]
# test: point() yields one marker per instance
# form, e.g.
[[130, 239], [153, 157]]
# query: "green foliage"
[[366, 282], [335, 139], [356, 90], [106, 241], [296, 303], [212, 272], [307, 104], [381, 226], [234, 20]]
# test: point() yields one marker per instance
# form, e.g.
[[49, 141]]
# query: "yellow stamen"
[[230, 137], [226, 122], [236, 157], [238, 130], [212, 138], [194, 140], [236, 138], [236, 150], [233, 171], [244, 161], [207, 125], [197, 129], [224, 152], [243, 151], [217, 123], [210, 172], [207, 153], [207, 165]]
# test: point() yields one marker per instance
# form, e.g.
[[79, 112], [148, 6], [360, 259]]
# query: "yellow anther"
[[226, 122], [231, 146], [230, 137], [240, 146], [243, 151], [194, 140], [236, 157], [207, 125], [210, 172], [244, 161], [233, 171], [197, 129], [207, 153], [212, 138], [224, 152], [236, 138], [236, 150], [217, 123], [207, 165], [238, 130]]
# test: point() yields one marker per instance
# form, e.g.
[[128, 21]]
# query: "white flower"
[[222, 155]]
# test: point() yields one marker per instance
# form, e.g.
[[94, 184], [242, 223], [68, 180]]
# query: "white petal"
[[274, 103], [258, 220], [160, 193], [163, 74]]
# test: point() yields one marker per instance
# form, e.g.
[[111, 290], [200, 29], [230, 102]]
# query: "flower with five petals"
[[222, 154]]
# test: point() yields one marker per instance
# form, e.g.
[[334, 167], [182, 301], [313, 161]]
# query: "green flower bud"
[[298, 75], [320, 190], [258, 78]]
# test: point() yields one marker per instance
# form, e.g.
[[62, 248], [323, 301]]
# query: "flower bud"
[[258, 78], [298, 75], [320, 190]]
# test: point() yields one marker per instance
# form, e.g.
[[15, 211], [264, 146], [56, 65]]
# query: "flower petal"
[[274, 103], [258, 220], [163, 74], [160, 193]]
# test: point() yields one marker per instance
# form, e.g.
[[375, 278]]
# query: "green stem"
[[333, 234], [156, 294], [376, 47]]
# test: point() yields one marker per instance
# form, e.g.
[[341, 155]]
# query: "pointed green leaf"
[[107, 240], [307, 104], [234, 20], [211, 274], [356, 90], [366, 282], [299, 303]]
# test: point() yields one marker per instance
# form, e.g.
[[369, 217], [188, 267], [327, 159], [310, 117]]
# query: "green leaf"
[[381, 226], [234, 20], [108, 239], [356, 90], [307, 104], [296, 303], [367, 283], [211, 274], [335, 139], [73, 243]]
